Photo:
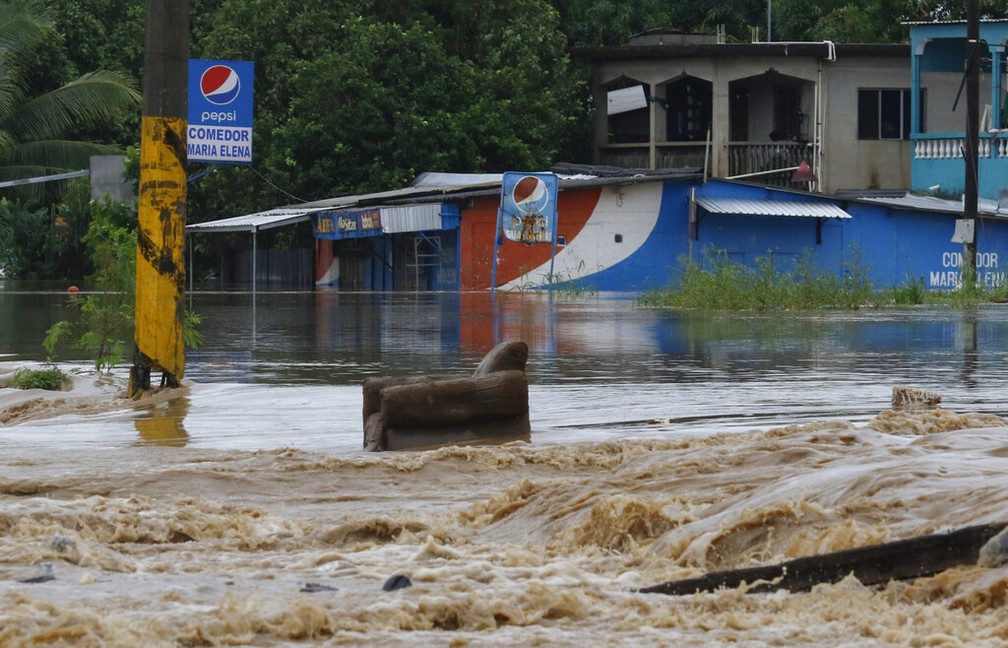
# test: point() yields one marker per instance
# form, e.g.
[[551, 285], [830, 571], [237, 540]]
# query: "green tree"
[[594, 23], [47, 242], [876, 21], [363, 96], [36, 130]]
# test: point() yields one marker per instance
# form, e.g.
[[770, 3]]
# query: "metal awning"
[[254, 222], [250, 223], [753, 207]]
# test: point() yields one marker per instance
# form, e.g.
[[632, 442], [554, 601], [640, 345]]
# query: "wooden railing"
[[743, 157], [669, 155]]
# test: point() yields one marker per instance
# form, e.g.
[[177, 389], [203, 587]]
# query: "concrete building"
[[746, 110]]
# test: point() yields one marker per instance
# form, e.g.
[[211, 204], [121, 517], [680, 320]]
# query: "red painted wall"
[[476, 244]]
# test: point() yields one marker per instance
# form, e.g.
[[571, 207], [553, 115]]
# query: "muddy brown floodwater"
[[240, 510]]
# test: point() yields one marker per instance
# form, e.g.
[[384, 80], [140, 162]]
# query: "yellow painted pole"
[[160, 265]]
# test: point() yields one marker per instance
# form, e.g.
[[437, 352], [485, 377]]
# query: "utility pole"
[[972, 143], [160, 263], [769, 21]]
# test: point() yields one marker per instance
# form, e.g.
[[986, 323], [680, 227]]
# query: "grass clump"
[[720, 284], [726, 285], [50, 378]]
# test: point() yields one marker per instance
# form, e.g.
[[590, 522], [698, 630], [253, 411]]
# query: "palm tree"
[[36, 131]]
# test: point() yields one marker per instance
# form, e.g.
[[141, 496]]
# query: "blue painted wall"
[[655, 264], [892, 246]]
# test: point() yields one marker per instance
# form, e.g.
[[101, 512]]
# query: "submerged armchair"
[[490, 406]]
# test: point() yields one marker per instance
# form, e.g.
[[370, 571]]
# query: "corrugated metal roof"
[[434, 189], [257, 221], [411, 218], [985, 206], [754, 207]]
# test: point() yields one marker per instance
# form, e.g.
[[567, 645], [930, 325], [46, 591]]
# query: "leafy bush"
[[50, 378], [104, 328], [733, 286], [105, 324]]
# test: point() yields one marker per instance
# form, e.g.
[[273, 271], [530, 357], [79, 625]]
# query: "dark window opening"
[[884, 114], [787, 114], [688, 108]]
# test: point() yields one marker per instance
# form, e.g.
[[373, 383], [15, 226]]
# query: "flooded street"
[[289, 371], [664, 445]]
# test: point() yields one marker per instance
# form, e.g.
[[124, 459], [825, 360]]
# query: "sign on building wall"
[[348, 224], [528, 211], [220, 111]]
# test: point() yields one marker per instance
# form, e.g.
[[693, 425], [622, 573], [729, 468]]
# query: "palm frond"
[[7, 144], [21, 24], [90, 99], [32, 194], [54, 156], [18, 171], [11, 93]]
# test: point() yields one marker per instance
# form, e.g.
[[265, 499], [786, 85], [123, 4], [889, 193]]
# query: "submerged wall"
[[635, 237]]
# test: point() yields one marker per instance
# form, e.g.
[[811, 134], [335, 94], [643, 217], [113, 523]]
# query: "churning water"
[[241, 510]]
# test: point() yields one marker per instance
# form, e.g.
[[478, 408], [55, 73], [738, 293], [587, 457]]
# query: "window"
[[687, 106], [884, 114], [787, 114]]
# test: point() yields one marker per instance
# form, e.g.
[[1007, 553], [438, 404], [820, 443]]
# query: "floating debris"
[[397, 581], [45, 576], [911, 399]]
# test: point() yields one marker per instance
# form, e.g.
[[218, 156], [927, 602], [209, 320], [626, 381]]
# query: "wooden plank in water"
[[899, 560]]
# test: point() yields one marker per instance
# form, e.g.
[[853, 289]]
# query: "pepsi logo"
[[530, 195], [220, 85]]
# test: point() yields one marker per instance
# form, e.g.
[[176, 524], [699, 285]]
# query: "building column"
[[915, 87], [652, 128], [720, 115], [997, 90]]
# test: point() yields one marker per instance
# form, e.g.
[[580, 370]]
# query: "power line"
[[267, 181], [47, 178]]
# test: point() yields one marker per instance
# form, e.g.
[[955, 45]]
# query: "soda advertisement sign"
[[528, 211], [220, 111]]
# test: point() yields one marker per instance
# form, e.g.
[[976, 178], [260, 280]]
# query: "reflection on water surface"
[[599, 366]]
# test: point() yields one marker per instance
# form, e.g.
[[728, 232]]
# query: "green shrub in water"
[[104, 326], [729, 286], [733, 286], [49, 378], [911, 293]]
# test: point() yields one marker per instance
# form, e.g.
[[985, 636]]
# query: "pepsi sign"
[[528, 210], [220, 111]]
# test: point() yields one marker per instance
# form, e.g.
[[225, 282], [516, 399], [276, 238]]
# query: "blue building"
[[938, 121], [895, 238]]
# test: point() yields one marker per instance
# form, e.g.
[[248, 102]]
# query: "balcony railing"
[[937, 147], [669, 155], [743, 157], [938, 164]]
